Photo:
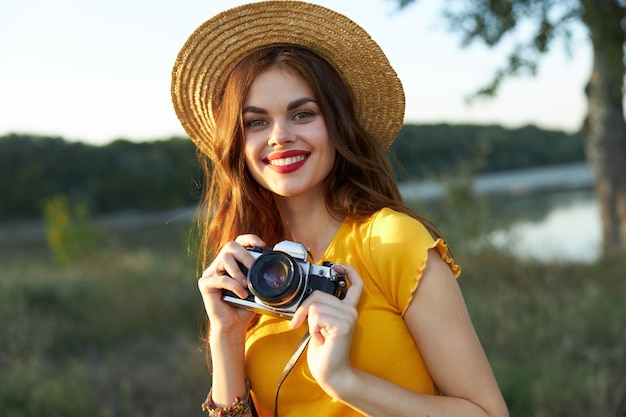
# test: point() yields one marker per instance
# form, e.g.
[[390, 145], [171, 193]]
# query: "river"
[[548, 214], [568, 229]]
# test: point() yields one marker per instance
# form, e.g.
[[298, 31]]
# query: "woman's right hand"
[[225, 273]]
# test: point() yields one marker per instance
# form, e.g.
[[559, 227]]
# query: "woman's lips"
[[287, 161]]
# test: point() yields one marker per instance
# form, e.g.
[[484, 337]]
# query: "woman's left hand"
[[331, 324]]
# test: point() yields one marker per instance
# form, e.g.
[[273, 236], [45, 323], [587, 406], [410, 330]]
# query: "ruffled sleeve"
[[398, 250]]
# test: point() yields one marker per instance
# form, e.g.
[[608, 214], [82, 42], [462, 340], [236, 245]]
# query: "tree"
[[604, 127]]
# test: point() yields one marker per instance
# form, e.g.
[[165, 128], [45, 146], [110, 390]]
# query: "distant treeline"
[[164, 174], [434, 150], [122, 175]]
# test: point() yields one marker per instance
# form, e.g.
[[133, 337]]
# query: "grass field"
[[117, 333]]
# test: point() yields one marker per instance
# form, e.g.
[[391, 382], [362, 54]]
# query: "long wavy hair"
[[360, 183]]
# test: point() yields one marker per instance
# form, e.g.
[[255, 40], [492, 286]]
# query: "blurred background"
[[99, 310]]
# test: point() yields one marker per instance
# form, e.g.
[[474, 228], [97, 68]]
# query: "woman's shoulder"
[[390, 222]]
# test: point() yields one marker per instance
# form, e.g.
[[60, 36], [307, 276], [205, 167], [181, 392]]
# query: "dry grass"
[[117, 334]]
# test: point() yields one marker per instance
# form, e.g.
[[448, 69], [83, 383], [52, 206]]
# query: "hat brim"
[[214, 48]]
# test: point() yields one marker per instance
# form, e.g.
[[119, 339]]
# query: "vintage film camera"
[[281, 278]]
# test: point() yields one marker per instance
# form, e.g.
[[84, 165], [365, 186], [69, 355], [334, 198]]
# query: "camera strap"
[[290, 364]]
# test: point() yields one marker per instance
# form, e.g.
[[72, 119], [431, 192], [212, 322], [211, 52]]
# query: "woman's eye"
[[302, 115], [255, 123]]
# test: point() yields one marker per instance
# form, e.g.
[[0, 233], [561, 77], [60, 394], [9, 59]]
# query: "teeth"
[[287, 161]]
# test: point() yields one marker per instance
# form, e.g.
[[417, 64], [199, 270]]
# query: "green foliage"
[[70, 232], [120, 176], [530, 29], [146, 176], [423, 151]]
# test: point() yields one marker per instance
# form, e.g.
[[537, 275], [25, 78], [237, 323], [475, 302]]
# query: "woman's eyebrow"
[[297, 103], [253, 109], [292, 105]]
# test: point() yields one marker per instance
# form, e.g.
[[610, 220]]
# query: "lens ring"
[[275, 279]]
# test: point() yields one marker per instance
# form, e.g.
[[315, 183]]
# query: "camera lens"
[[275, 279]]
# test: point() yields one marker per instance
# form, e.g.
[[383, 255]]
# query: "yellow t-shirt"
[[389, 250]]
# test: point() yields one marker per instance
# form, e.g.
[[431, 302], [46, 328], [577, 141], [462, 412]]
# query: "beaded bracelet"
[[238, 408]]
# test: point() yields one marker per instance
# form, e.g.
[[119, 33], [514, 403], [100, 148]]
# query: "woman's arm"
[[228, 372], [228, 325]]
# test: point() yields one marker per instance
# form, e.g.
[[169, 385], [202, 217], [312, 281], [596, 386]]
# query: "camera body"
[[281, 278]]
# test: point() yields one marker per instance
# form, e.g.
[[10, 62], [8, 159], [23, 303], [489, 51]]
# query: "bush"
[[71, 234]]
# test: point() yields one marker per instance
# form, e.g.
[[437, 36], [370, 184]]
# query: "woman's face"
[[287, 148]]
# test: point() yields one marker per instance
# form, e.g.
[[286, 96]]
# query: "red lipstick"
[[286, 162]]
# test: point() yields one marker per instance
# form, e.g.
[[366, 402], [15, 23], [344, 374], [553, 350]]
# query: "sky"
[[94, 71]]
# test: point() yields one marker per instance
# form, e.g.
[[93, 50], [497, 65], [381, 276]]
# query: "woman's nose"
[[281, 134]]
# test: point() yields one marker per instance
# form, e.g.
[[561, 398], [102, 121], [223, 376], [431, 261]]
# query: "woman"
[[292, 107]]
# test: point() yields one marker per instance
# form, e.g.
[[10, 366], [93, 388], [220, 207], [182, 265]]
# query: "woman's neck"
[[309, 223]]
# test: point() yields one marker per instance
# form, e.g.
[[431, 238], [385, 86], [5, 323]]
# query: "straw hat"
[[211, 52]]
